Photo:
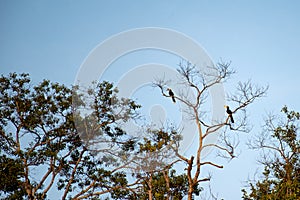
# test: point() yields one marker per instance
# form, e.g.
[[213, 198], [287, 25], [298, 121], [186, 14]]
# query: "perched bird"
[[229, 112], [171, 93]]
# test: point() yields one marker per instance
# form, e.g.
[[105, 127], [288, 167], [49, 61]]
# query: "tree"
[[52, 136], [55, 136], [158, 180], [199, 84], [280, 144], [11, 172], [164, 185], [41, 145]]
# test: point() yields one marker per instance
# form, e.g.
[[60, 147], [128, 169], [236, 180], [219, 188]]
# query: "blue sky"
[[51, 39]]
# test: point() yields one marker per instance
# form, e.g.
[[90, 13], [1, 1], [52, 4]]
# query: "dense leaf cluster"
[[282, 163], [48, 142]]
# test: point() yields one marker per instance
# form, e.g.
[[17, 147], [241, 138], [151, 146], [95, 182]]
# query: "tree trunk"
[[166, 176], [150, 188], [189, 174], [190, 192]]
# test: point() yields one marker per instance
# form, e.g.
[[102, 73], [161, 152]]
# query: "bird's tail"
[[173, 98], [231, 118]]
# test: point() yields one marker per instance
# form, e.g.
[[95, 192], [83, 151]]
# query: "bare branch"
[[203, 180], [246, 94], [211, 163], [200, 82]]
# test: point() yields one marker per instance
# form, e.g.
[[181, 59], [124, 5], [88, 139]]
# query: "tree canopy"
[[47, 143], [280, 144], [60, 138], [41, 146]]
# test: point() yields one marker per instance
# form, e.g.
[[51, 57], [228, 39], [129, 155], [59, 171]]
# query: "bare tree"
[[200, 83]]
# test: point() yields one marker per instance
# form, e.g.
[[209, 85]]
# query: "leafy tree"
[[158, 180], [280, 144], [11, 172], [164, 185], [41, 145], [54, 136]]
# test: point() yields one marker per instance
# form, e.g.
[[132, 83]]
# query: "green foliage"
[[46, 142], [282, 172], [38, 134], [165, 184], [160, 181], [11, 171], [107, 111]]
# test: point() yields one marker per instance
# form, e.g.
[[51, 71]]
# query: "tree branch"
[[73, 174], [213, 164]]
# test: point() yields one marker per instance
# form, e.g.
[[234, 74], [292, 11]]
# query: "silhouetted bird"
[[229, 112], [171, 93]]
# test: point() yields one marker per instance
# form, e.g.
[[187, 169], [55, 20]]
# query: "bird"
[[229, 112], [171, 93]]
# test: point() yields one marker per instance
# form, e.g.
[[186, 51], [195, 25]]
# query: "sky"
[[51, 40]]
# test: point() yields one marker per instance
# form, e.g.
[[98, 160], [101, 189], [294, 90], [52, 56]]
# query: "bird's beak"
[[225, 106]]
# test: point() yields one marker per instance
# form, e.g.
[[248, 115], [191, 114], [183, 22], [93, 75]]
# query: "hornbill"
[[229, 112], [171, 93]]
